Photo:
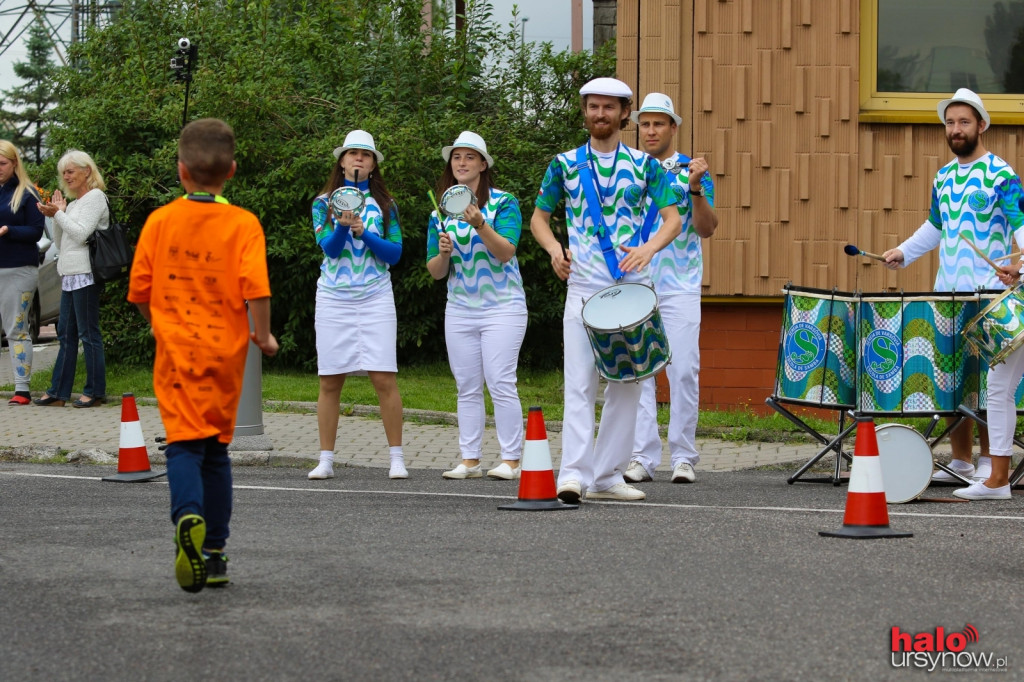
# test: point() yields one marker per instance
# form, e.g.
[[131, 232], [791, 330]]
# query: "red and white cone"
[[537, 491], [132, 458], [866, 514]]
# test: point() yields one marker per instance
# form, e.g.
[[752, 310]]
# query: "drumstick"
[[852, 250], [980, 254], [1009, 256]]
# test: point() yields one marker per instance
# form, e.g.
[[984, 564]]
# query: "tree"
[[293, 77], [27, 105]]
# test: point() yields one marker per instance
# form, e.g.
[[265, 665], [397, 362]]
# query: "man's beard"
[[962, 147], [604, 132]]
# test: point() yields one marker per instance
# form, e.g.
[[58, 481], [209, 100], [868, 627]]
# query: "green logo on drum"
[[804, 347], [977, 200], [883, 355]]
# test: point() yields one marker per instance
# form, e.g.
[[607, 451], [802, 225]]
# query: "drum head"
[[906, 462], [346, 199], [622, 305], [456, 200]]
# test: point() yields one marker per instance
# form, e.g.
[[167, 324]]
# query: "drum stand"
[[831, 445], [966, 413]]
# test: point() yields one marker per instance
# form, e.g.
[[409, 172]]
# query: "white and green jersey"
[[624, 179], [478, 283], [679, 267]]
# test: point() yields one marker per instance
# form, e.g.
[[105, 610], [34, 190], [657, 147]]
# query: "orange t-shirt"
[[196, 264]]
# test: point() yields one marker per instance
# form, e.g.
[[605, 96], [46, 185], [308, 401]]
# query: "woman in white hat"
[[485, 318], [356, 325]]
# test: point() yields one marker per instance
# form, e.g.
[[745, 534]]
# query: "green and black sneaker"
[[189, 566], [216, 569]]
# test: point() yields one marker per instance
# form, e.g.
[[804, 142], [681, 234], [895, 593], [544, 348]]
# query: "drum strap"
[[644, 234], [594, 205]]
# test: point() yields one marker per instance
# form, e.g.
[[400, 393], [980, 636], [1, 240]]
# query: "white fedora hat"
[[656, 103], [468, 140], [612, 87], [359, 139], [964, 96]]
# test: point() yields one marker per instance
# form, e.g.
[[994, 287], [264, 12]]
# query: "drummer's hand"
[[893, 259], [637, 257], [1008, 274], [560, 263], [473, 216], [444, 244], [356, 225]]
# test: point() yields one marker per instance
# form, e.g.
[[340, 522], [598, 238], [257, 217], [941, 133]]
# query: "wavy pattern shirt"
[[679, 267], [478, 283]]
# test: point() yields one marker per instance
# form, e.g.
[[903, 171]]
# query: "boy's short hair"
[[207, 148]]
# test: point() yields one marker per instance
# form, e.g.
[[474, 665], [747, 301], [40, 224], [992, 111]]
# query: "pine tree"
[[25, 106]]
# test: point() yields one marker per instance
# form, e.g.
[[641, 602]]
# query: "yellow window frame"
[[909, 107]]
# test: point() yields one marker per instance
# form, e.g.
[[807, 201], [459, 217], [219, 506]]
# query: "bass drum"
[[906, 462]]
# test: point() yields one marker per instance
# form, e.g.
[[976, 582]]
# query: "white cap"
[[612, 87], [964, 96], [359, 139], [656, 103], [468, 140]]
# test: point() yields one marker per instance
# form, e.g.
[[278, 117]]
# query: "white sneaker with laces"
[[979, 491], [323, 470], [635, 473], [623, 492], [462, 471], [962, 468], [683, 473], [398, 470], [504, 472], [570, 492]]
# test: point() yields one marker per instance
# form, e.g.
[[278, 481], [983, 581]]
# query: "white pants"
[[680, 314], [487, 349], [596, 465], [1003, 380]]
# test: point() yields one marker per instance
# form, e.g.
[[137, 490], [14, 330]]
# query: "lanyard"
[[206, 198]]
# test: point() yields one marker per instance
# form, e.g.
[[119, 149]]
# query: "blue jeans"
[[79, 318], [199, 475]]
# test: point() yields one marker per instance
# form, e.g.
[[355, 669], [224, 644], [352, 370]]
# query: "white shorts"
[[354, 336]]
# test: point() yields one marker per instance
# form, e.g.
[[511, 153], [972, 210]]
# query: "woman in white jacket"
[[74, 223]]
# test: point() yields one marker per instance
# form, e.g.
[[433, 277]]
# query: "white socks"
[[398, 469]]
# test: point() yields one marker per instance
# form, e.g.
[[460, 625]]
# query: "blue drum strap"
[[588, 182]]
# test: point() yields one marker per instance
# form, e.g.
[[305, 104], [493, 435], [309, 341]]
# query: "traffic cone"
[[537, 490], [132, 458], [866, 514]]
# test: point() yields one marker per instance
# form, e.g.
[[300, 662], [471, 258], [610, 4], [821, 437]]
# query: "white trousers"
[[486, 349], [599, 464], [1003, 380], [680, 315]]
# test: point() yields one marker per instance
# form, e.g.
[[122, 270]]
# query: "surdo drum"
[[626, 333]]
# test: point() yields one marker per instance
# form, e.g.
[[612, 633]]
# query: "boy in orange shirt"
[[198, 260]]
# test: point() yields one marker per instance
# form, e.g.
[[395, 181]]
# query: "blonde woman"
[[21, 226], [74, 223]]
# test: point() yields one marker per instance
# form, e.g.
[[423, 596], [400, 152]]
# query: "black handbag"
[[109, 252]]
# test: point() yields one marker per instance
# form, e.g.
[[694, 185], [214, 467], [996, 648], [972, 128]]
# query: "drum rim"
[[348, 191], [921, 296], [991, 306], [453, 191], [642, 320], [824, 294]]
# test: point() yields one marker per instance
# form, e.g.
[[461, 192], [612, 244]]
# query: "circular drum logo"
[[977, 200], [633, 195], [805, 347], [883, 355]]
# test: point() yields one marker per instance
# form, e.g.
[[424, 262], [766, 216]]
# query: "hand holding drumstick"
[[1007, 274]]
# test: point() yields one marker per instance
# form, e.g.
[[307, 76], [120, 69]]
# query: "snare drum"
[[978, 381], [456, 199], [913, 356], [626, 333], [906, 462], [998, 330], [347, 199], [817, 362]]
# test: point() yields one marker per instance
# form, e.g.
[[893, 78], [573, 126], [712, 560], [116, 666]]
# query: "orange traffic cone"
[[866, 514], [132, 458], [537, 490]]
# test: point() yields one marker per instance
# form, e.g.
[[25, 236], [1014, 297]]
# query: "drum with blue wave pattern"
[[913, 359], [817, 348], [980, 401], [998, 330], [626, 332]]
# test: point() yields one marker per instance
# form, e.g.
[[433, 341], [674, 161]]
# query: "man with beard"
[[975, 196], [677, 272], [599, 234]]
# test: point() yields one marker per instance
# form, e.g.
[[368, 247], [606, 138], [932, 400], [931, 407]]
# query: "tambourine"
[[346, 199], [456, 199], [673, 166]]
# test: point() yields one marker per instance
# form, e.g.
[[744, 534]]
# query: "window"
[[916, 52]]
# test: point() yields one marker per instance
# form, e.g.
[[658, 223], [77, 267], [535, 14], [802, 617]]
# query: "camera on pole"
[[182, 64]]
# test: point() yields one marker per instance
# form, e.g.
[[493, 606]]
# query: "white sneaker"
[[323, 470], [398, 470], [962, 468], [683, 473], [623, 492], [635, 473], [462, 471], [570, 492], [979, 491], [504, 472]]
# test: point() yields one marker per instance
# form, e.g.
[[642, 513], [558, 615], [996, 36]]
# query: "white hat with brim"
[[468, 140], [656, 103], [359, 139], [612, 87], [964, 96]]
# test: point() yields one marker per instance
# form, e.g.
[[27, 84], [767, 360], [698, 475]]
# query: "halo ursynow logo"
[[941, 649]]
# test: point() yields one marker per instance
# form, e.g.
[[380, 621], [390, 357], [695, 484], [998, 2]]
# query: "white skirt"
[[354, 336]]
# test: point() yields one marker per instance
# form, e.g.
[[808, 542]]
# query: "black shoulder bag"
[[109, 252]]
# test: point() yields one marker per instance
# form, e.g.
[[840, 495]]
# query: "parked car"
[[46, 303]]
